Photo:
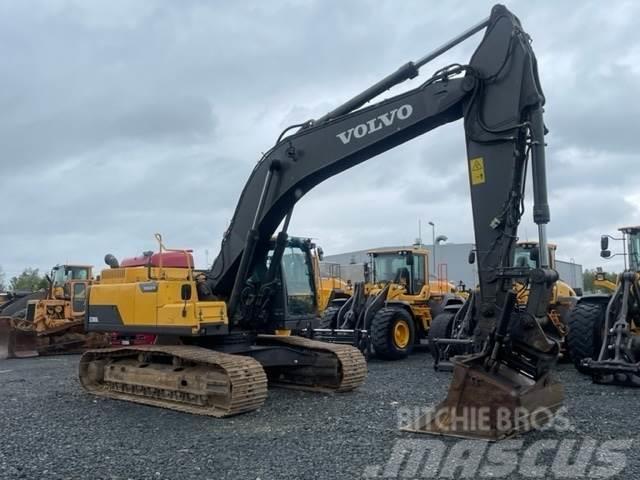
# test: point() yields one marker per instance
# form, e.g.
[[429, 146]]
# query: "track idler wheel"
[[490, 405]]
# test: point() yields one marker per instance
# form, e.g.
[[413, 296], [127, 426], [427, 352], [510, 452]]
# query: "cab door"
[[78, 298]]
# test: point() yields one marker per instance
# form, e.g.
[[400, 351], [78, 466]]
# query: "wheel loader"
[[452, 330], [604, 329], [50, 322], [223, 334], [392, 312]]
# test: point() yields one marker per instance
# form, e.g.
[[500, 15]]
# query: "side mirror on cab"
[[472, 257], [604, 242]]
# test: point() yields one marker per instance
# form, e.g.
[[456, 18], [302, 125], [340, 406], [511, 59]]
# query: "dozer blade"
[[16, 343], [490, 405]]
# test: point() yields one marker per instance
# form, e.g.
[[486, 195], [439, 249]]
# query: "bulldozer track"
[[352, 369], [239, 385]]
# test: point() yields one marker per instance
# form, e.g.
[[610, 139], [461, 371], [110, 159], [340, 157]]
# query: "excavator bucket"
[[490, 405], [15, 342]]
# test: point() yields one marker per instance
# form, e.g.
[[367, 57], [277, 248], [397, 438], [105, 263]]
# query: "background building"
[[453, 258]]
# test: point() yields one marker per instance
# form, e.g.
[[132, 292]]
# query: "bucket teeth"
[[490, 405]]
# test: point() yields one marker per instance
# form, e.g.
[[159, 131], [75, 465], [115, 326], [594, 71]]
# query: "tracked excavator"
[[224, 321]]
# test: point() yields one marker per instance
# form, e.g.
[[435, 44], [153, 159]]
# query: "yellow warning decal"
[[476, 166]]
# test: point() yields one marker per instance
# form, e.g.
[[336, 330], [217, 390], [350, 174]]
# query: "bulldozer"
[[604, 329], [392, 312], [452, 330], [44, 323], [224, 334]]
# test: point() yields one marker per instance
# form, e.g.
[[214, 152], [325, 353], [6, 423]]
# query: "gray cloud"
[[121, 119]]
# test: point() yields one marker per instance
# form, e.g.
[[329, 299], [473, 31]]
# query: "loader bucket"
[[490, 405], [16, 343]]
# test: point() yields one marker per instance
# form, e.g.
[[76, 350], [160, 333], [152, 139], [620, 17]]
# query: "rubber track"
[[353, 366], [247, 379]]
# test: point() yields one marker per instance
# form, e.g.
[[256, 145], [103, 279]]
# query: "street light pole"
[[433, 242]]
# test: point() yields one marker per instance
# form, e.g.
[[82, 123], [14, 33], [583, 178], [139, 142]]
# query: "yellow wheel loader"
[[452, 330], [222, 333], [604, 330], [392, 312]]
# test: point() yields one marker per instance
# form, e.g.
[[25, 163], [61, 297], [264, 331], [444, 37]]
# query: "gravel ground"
[[51, 429]]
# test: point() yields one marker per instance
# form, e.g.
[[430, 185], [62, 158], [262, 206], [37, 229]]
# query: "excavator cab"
[[298, 302]]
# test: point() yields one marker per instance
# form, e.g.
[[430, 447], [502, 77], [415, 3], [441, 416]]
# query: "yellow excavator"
[[223, 332], [604, 329], [396, 305]]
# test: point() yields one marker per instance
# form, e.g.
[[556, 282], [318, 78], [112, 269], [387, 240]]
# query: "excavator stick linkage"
[[16, 342], [184, 378], [336, 368], [490, 405]]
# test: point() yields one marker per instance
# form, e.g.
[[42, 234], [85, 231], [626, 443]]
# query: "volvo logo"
[[381, 121]]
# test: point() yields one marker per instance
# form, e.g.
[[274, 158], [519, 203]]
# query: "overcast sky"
[[125, 118]]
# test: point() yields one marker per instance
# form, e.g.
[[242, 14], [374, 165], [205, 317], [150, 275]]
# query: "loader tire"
[[440, 328], [586, 322], [329, 318], [393, 333]]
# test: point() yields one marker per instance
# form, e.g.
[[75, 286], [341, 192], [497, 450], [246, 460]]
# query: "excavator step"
[[338, 368], [185, 378]]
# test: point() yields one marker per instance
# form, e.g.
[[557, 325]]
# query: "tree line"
[[29, 280]]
